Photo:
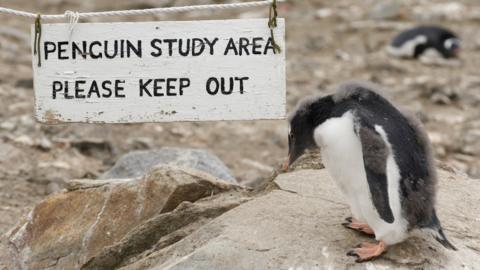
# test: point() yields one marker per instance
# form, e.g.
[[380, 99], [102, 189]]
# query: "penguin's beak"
[[292, 157]]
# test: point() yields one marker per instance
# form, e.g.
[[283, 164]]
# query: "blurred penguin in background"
[[421, 40]]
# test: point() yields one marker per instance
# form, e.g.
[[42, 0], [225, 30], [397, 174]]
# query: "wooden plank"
[[160, 72]]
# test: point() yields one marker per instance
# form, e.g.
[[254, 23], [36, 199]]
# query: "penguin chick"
[[379, 157], [420, 40]]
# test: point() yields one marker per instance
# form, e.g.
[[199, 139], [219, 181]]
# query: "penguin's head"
[[309, 113], [451, 46]]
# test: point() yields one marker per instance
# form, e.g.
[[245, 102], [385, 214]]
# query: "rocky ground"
[[327, 42], [175, 217]]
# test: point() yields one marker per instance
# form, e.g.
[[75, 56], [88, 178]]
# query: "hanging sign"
[[159, 72]]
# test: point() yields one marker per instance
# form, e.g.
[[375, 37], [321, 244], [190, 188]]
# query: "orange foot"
[[367, 251], [356, 225]]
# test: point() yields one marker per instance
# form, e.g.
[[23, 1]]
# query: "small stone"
[[181, 131], [45, 144], [52, 188], [342, 55], [19, 107], [385, 11], [24, 140], [323, 13], [24, 83], [93, 147], [47, 172], [27, 120], [474, 170], [351, 13], [140, 143], [440, 99], [320, 74], [158, 129], [7, 125]]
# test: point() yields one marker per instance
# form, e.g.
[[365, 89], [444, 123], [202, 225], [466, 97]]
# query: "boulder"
[[67, 229], [178, 218], [163, 230], [137, 163], [298, 227]]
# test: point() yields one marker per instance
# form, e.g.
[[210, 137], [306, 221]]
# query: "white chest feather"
[[341, 149], [343, 157]]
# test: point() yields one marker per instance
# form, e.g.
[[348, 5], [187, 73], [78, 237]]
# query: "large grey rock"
[[137, 163], [298, 227]]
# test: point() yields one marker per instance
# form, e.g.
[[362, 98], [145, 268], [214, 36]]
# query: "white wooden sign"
[[160, 71]]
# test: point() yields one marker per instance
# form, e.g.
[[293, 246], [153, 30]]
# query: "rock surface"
[[67, 229], [174, 218], [298, 227], [137, 163]]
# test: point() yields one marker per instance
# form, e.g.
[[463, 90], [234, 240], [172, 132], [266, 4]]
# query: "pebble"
[[324, 13], [7, 125], [385, 11]]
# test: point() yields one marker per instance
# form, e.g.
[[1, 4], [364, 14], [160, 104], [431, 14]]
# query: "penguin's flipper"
[[375, 154]]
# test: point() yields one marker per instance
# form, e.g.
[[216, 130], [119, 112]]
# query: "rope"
[[140, 11], [272, 23], [72, 18]]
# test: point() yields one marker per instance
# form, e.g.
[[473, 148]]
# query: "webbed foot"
[[368, 251]]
